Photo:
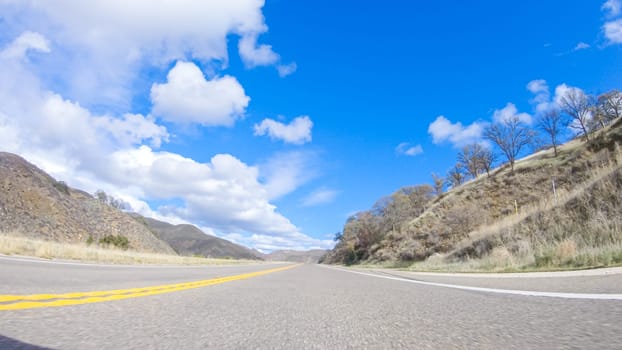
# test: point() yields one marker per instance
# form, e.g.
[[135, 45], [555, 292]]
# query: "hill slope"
[[35, 205], [190, 240], [512, 216]]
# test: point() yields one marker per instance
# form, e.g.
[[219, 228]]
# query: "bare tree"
[[576, 104], [438, 184], [471, 157], [609, 106], [487, 158], [552, 123], [456, 176], [111, 201], [511, 136]]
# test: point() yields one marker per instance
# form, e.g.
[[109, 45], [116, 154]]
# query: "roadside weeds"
[[14, 244]]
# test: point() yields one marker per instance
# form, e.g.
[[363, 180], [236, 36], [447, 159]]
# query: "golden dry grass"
[[16, 244], [594, 242]]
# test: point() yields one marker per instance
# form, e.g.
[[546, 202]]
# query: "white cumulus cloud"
[[613, 31], [509, 112], [187, 97], [298, 131], [118, 153], [107, 42], [612, 7], [538, 86], [286, 69], [133, 129], [256, 55], [224, 194], [442, 130], [543, 101], [581, 46], [26, 41], [407, 149]]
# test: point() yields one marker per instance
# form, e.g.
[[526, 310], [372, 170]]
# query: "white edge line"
[[495, 290]]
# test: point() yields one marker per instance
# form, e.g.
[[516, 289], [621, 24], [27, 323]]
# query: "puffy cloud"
[[286, 69], [320, 196], [254, 55], [107, 42], [26, 41], [407, 149], [297, 132], [286, 172], [613, 31], [542, 95], [224, 194], [543, 100], [94, 151], [509, 112], [443, 130], [187, 97], [562, 90], [613, 7], [133, 129], [538, 86]]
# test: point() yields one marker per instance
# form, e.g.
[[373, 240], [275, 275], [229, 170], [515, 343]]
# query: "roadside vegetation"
[[557, 208], [15, 244]]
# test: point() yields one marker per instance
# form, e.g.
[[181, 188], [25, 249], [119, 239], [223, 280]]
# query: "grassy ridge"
[[15, 244], [551, 212]]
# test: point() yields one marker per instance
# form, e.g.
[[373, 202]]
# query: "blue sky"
[[269, 124]]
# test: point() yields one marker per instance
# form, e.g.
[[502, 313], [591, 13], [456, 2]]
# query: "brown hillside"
[[189, 240], [35, 205], [508, 209]]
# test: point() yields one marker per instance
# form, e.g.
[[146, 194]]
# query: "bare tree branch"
[[577, 106], [510, 136], [552, 123]]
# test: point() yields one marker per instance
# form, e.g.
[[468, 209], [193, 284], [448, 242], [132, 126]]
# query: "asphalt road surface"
[[301, 307]]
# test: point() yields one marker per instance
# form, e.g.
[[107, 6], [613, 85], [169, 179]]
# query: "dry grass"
[[562, 256], [15, 244], [548, 203], [578, 228], [513, 220]]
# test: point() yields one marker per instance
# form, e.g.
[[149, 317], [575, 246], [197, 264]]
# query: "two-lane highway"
[[301, 307]]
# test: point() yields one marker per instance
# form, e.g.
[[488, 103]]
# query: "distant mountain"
[[190, 240], [306, 256], [35, 205]]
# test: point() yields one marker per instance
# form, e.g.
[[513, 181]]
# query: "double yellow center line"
[[20, 302]]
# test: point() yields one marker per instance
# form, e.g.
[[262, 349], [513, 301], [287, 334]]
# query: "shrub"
[[119, 241], [565, 251]]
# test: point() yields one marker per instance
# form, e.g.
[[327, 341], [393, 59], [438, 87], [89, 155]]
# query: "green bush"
[[544, 259], [119, 241], [350, 257]]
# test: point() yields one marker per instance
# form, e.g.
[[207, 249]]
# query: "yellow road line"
[[20, 302]]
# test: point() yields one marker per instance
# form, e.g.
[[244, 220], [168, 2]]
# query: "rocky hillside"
[[509, 213], [306, 256], [191, 241], [35, 205]]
